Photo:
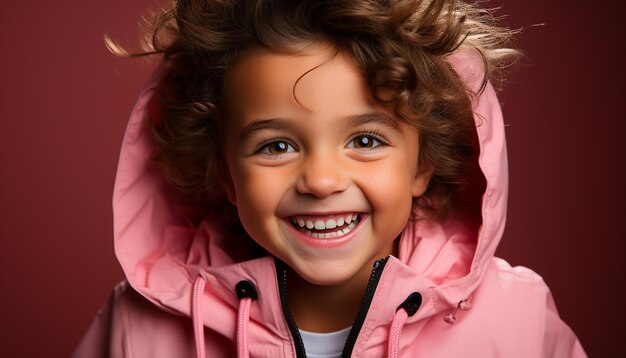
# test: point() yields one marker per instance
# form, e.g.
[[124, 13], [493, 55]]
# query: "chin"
[[326, 274]]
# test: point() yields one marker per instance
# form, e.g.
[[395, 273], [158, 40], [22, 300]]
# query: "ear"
[[420, 181], [226, 182], [229, 190]]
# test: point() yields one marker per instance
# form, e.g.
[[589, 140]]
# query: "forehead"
[[315, 82]]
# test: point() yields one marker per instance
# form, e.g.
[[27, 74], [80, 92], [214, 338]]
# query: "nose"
[[322, 175]]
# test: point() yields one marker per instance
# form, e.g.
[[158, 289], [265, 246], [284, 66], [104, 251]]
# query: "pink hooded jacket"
[[189, 293]]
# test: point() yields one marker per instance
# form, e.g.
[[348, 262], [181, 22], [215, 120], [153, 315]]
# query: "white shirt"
[[324, 345]]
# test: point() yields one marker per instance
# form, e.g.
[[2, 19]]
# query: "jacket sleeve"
[[559, 339], [131, 326], [104, 338]]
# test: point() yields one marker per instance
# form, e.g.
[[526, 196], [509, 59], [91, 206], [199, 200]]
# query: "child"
[[320, 179]]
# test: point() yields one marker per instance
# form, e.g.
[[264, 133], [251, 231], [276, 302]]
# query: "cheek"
[[258, 193], [250, 190], [254, 206], [389, 193]]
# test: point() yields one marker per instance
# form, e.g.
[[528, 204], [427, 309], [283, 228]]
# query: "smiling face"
[[322, 175]]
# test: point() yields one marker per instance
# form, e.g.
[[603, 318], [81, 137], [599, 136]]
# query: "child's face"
[[332, 156]]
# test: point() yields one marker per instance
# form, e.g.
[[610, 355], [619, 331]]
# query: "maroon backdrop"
[[63, 106]]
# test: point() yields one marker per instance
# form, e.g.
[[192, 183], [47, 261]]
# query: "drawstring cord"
[[408, 309], [196, 308], [246, 292], [403, 312], [396, 330], [242, 327]]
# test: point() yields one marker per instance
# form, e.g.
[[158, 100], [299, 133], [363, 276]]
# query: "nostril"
[[321, 176]]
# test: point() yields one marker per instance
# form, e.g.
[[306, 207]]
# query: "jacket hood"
[[163, 244]]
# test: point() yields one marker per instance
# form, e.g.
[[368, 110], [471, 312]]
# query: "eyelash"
[[375, 135], [267, 142]]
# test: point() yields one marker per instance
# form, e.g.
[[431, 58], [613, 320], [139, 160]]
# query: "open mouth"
[[327, 227]]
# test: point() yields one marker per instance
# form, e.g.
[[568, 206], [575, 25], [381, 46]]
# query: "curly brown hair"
[[401, 47]]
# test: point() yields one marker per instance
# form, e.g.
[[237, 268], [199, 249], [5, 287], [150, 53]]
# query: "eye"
[[366, 141], [276, 147]]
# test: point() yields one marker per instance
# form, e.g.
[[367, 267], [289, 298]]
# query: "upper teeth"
[[320, 224]]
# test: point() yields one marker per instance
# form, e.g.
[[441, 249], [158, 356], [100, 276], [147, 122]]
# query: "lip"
[[326, 242]]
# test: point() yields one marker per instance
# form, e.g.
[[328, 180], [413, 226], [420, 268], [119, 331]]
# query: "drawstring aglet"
[[463, 305]]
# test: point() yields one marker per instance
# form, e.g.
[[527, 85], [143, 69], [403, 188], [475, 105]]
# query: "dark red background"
[[63, 106]]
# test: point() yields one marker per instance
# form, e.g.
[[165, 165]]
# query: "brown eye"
[[276, 147], [364, 141]]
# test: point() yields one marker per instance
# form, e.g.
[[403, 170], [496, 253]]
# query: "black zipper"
[[379, 265], [281, 275]]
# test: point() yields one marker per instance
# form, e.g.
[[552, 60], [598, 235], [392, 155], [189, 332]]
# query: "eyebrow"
[[374, 117], [353, 121], [255, 126]]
